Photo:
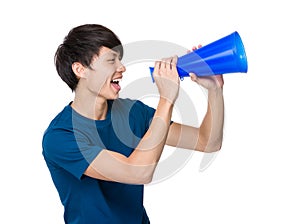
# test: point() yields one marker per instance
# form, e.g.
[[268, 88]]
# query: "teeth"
[[116, 80]]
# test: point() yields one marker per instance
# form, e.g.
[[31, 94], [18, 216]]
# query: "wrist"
[[215, 93], [215, 90], [164, 108], [166, 102]]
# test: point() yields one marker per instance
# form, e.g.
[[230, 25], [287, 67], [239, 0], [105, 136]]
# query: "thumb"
[[193, 76]]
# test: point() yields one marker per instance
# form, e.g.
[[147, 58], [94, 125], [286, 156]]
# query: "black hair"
[[81, 45]]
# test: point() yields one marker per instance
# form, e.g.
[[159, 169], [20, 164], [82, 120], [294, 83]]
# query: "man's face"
[[107, 70]]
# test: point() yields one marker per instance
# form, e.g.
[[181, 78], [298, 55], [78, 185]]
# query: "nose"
[[121, 67]]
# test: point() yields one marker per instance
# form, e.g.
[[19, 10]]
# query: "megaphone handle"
[[181, 73]]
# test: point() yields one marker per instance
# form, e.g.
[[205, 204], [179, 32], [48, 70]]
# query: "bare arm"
[[207, 137], [139, 167]]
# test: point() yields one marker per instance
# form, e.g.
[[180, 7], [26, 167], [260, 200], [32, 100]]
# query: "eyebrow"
[[115, 54], [110, 53]]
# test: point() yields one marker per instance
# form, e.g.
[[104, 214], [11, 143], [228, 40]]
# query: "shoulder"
[[62, 120], [59, 127]]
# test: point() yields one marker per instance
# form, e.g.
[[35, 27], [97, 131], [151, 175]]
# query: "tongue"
[[116, 86]]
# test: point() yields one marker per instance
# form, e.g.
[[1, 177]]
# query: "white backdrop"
[[253, 178]]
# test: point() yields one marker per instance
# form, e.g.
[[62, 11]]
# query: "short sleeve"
[[64, 149]]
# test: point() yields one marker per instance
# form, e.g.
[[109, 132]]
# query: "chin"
[[114, 97]]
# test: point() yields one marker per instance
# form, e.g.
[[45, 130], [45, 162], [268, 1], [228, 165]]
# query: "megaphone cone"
[[226, 55]]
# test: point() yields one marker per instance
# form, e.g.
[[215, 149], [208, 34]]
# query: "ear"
[[79, 69]]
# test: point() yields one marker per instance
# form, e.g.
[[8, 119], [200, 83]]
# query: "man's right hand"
[[166, 78]]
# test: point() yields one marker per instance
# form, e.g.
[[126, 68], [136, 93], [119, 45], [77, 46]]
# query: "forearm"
[[211, 129], [151, 145]]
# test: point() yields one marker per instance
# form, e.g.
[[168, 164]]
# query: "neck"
[[94, 108]]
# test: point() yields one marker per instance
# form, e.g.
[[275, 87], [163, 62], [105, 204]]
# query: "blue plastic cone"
[[226, 55]]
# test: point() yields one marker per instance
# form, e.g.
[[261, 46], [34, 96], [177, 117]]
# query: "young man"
[[100, 149]]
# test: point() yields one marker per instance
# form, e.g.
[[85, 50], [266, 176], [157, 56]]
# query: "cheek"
[[103, 71], [98, 79]]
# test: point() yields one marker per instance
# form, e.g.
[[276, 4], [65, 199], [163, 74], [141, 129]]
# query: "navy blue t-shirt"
[[71, 143]]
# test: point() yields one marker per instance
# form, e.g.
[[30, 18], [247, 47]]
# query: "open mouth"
[[115, 81], [115, 84]]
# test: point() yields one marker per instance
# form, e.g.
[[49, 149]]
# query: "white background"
[[253, 178]]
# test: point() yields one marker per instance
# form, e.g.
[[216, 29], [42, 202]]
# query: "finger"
[[174, 61], [156, 68], [163, 63], [168, 62], [220, 79], [193, 76]]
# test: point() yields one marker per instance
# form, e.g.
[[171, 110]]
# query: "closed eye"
[[112, 60]]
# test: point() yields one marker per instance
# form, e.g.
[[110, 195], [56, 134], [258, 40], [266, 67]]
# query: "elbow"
[[143, 174], [142, 178], [209, 142], [212, 146], [147, 180]]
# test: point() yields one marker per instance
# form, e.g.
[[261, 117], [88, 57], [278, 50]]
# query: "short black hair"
[[81, 45]]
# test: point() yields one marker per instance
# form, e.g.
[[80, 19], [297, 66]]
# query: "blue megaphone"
[[226, 55]]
